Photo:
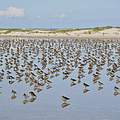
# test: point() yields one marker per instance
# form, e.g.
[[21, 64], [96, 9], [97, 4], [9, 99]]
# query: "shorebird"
[[65, 99], [95, 78], [73, 82], [32, 94], [116, 90], [85, 90], [117, 81], [100, 83], [118, 77], [86, 85], [26, 98], [38, 87], [13, 94], [11, 82]]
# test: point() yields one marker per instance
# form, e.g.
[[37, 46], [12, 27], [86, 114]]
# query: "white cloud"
[[12, 12]]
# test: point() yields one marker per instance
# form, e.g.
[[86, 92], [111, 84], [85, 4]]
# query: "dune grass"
[[15, 30]]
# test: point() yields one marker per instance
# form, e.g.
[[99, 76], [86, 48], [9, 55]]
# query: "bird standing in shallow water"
[[26, 97], [116, 91], [100, 85], [86, 85], [33, 97], [85, 90], [65, 101], [73, 82], [13, 94]]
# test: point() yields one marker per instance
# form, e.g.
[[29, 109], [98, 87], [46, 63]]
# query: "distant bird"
[[11, 82], [73, 79], [26, 98], [86, 85], [118, 76], [73, 82], [13, 94], [116, 88], [33, 97], [32, 94], [65, 99], [117, 81], [116, 91], [100, 83], [85, 90]]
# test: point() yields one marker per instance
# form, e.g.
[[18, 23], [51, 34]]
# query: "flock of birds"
[[37, 62]]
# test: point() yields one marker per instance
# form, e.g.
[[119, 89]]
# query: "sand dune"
[[95, 33]]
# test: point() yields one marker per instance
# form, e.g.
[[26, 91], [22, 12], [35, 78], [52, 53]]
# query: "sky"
[[59, 13]]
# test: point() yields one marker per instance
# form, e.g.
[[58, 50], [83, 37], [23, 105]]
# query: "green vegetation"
[[15, 30], [97, 29], [64, 30]]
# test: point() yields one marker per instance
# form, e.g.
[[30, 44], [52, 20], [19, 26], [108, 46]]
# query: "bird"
[[117, 81], [118, 76], [100, 83], [11, 82], [32, 93], [73, 82], [116, 91], [65, 99], [86, 85], [85, 90], [26, 98], [116, 88], [13, 94]]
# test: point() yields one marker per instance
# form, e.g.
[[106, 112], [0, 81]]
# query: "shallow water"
[[52, 68]]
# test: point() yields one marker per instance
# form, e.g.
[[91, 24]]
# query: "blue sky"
[[59, 13]]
